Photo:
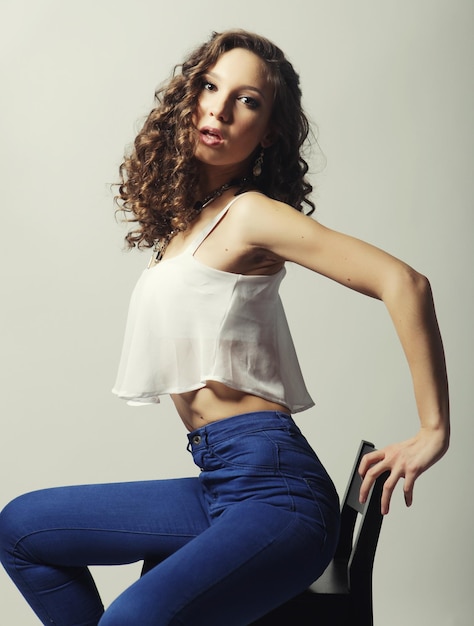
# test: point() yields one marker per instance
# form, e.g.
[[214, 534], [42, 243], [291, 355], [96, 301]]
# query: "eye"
[[251, 103], [208, 86]]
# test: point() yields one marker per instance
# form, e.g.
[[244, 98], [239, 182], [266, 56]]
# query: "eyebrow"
[[249, 87]]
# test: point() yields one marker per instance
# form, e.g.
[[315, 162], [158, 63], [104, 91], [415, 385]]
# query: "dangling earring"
[[257, 167]]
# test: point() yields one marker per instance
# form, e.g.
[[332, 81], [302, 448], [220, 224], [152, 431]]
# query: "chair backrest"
[[357, 549]]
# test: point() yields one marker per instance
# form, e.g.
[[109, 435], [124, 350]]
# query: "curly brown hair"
[[160, 177]]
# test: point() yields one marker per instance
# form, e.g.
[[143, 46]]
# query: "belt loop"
[[204, 435], [289, 424]]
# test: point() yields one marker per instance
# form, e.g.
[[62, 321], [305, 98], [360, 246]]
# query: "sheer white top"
[[189, 323]]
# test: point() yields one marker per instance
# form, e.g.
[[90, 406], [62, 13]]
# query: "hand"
[[405, 460]]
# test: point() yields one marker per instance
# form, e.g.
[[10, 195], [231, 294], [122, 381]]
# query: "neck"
[[212, 178], [218, 191]]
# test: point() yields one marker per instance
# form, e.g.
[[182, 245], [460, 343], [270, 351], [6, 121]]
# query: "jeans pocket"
[[326, 499], [253, 451]]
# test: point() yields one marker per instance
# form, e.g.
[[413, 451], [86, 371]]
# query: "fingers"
[[374, 465], [370, 469], [370, 459], [408, 489], [371, 476], [405, 460], [387, 492]]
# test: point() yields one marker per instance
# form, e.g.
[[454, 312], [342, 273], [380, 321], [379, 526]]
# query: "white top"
[[189, 323]]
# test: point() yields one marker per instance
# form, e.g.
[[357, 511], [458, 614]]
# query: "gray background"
[[390, 86]]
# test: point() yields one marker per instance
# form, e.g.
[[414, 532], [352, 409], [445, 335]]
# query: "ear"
[[269, 138]]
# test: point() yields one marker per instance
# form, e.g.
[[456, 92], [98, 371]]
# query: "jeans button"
[[197, 439]]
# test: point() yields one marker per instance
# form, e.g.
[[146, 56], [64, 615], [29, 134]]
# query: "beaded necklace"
[[160, 245]]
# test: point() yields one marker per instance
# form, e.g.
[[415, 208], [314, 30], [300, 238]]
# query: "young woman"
[[216, 185]]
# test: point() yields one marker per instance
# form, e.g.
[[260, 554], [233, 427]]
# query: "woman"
[[213, 183]]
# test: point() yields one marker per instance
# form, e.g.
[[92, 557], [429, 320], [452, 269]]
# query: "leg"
[[49, 537], [274, 525], [254, 557], [258, 526]]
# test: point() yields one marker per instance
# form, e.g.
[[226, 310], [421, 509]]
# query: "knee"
[[16, 520], [117, 615], [7, 530], [133, 607]]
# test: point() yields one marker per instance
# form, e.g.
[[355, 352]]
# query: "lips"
[[211, 136]]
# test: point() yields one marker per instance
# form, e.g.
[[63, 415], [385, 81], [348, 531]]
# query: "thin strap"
[[194, 245]]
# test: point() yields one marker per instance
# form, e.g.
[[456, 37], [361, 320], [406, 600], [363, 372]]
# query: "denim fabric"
[[257, 526]]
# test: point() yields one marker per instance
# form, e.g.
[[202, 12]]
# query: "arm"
[[407, 295], [411, 307]]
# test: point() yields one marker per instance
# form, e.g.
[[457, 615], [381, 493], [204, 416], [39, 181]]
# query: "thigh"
[[106, 523], [254, 557], [274, 520]]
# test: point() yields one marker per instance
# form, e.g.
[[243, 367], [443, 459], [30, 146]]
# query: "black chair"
[[342, 596]]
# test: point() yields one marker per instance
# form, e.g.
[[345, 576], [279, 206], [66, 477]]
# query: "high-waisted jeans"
[[256, 527]]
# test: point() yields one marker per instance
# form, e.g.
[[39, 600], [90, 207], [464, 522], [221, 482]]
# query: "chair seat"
[[312, 609], [334, 580], [327, 602]]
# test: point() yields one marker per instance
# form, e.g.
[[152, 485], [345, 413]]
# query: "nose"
[[221, 109]]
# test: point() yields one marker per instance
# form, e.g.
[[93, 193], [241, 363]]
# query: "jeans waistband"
[[240, 424]]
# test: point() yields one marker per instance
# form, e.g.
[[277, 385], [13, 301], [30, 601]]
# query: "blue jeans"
[[257, 526]]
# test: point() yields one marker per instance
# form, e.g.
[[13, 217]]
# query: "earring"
[[257, 167]]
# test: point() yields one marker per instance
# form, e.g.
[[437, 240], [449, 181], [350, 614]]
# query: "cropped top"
[[189, 323]]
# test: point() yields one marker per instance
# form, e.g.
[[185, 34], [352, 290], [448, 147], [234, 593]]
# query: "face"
[[233, 112]]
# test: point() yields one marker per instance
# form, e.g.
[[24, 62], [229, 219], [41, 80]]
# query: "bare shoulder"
[[286, 234], [267, 223], [253, 203]]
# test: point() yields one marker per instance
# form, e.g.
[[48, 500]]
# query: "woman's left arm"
[[407, 295], [409, 301]]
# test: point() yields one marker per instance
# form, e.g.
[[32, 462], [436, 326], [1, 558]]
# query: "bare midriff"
[[217, 401]]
